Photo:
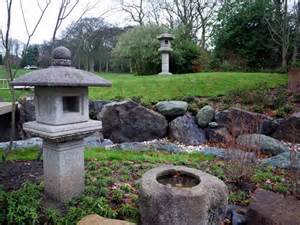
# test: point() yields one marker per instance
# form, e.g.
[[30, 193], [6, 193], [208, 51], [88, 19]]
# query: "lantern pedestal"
[[63, 169], [63, 153]]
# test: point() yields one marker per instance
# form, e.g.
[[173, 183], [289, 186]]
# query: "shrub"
[[140, 46], [240, 167], [281, 98], [283, 111]]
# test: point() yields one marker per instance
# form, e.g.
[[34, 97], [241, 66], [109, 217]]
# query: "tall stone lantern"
[[62, 120], [165, 50]]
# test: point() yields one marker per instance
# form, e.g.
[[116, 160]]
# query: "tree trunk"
[[284, 57], [203, 41], [13, 101], [130, 67], [107, 67], [92, 64], [297, 39]]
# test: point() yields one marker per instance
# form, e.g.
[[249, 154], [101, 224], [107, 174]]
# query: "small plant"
[[126, 187], [128, 211], [268, 181], [117, 195], [218, 171], [283, 111], [102, 191], [53, 216], [23, 205], [281, 98], [239, 197], [105, 171]]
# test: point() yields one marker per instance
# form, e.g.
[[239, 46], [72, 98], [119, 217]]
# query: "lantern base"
[[63, 169]]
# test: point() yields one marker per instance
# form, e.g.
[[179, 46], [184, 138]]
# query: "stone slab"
[[98, 220], [5, 107], [269, 208], [63, 131]]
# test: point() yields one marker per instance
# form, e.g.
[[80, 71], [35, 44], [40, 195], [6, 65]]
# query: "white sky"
[[45, 29]]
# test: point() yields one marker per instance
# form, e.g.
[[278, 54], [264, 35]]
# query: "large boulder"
[[127, 121], [98, 220], [95, 108], [185, 130], [219, 135], [289, 130], [26, 110], [262, 143], [269, 208], [282, 161], [172, 108], [205, 116], [239, 121]]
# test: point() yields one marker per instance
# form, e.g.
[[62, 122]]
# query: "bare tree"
[[195, 15], [42, 9], [65, 9], [296, 53], [136, 11], [206, 10], [8, 59], [280, 29]]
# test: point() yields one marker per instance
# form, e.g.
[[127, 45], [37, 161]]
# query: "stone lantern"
[[62, 120], [165, 50]]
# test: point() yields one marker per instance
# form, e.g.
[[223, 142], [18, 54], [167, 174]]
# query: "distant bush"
[[138, 49]]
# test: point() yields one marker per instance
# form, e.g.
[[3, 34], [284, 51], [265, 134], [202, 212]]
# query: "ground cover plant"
[[111, 185]]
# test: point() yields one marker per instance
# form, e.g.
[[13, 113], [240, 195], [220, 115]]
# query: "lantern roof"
[[61, 73], [165, 36]]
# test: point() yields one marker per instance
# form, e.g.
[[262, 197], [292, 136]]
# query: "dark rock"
[[96, 141], [5, 127], [185, 130], [129, 122], [95, 108], [205, 116], [282, 161], [217, 152], [269, 208], [219, 135], [238, 219], [239, 121], [262, 143], [27, 111], [289, 130], [172, 108], [270, 126]]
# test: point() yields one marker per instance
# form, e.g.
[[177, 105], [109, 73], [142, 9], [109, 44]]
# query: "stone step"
[[269, 208], [98, 220]]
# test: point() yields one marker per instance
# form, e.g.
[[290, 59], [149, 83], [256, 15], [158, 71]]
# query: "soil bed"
[[14, 173]]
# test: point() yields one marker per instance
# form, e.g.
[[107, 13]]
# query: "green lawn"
[[156, 88]]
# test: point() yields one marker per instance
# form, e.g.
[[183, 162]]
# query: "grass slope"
[[155, 88]]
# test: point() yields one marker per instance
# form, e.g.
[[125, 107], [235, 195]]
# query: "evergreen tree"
[[30, 57]]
